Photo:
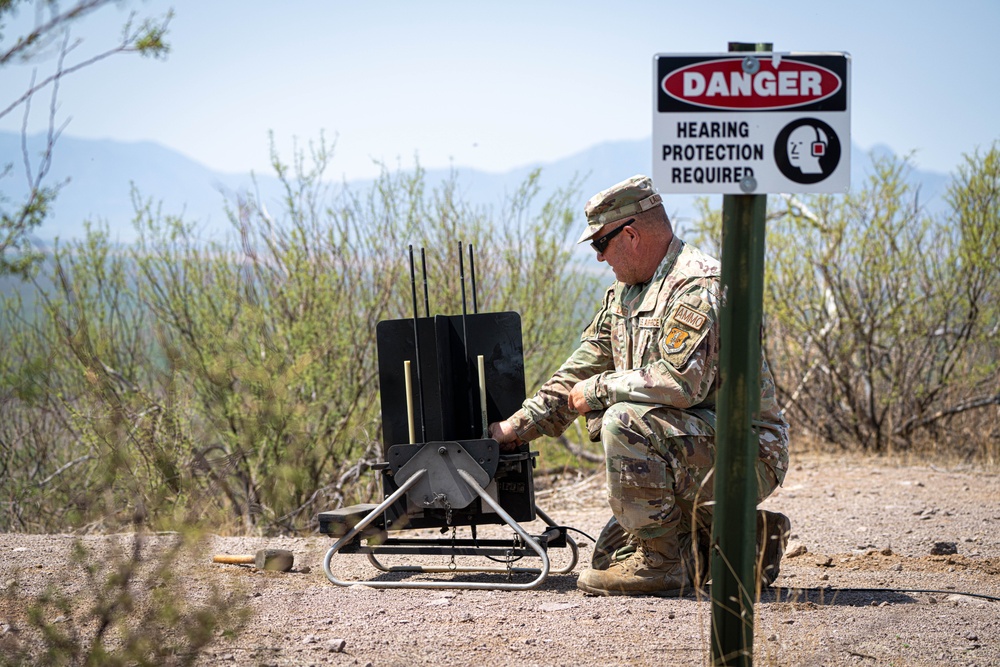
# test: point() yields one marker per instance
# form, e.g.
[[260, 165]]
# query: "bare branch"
[[63, 468], [40, 33], [122, 48], [578, 451], [971, 404]]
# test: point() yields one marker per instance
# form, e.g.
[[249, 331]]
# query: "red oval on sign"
[[778, 84]]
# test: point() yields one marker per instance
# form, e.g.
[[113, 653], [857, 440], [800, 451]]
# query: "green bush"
[[882, 322], [235, 382], [119, 605]]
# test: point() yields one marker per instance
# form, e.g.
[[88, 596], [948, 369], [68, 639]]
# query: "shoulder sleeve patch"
[[684, 329]]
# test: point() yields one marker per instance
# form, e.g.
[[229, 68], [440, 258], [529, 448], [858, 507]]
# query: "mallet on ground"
[[279, 560]]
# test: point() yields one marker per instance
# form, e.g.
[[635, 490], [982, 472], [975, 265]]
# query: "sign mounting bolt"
[[751, 65], [748, 184]]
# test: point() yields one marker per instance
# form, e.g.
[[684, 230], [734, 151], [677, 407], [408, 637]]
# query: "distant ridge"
[[101, 174]]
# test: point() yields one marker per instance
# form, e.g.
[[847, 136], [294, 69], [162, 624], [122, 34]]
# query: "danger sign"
[[751, 123]]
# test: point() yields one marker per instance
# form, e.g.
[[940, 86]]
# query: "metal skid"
[[443, 474]]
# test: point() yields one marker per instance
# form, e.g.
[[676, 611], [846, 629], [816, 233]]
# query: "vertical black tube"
[[416, 348], [423, 266], [461, 275], [465, 340], [472, 270]]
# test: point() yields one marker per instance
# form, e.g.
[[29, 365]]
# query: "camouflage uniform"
[[649, 363]]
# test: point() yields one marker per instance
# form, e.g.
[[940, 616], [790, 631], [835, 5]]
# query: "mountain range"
[[99, 177]]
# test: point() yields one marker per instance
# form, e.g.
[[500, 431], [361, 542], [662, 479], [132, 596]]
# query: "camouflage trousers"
[[660, 462]]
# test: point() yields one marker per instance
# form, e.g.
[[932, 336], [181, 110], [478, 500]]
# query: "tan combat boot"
[[772, 538], [656, 567]]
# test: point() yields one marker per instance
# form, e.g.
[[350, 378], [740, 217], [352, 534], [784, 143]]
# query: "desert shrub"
[[234, 382], [119, 603], [882, 322]]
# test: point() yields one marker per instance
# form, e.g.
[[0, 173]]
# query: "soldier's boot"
[[657, 567], [613, 544], [772, 538]]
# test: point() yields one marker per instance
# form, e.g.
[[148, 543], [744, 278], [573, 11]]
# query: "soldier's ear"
[[640, 234], [633, 234]]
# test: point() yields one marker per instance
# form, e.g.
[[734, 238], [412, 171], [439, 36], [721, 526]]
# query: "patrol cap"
[[630, 197]]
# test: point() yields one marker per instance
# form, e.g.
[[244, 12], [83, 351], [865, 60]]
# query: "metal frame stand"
[[441, 473]]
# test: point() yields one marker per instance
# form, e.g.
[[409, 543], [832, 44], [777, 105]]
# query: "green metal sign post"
[[743, 123], [734, 522]]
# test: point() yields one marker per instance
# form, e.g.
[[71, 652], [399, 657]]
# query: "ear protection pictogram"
[[818, 147]]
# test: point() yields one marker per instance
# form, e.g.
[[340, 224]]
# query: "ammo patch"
[[650, 322], [674, 341], [690, 317]]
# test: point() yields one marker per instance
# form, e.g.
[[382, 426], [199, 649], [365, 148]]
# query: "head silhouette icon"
[[806, 145]]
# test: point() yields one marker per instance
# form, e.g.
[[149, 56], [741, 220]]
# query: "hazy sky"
[[503, 84]]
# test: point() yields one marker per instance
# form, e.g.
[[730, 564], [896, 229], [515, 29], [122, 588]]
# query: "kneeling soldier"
[[645, 376]]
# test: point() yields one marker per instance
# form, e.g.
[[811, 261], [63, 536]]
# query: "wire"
[[577, 530], [503, 560]]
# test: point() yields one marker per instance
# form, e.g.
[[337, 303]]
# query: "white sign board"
[[751, 123]]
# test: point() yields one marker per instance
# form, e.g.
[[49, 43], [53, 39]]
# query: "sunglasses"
[[601, 244]]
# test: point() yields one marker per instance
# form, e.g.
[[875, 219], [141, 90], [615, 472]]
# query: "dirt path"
[[861, 524]]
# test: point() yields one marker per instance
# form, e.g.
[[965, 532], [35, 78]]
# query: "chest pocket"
[[634, 340], [620, 339], [648, 331]]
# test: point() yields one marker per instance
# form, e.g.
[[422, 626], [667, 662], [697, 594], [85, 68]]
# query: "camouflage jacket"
[[655, 343]]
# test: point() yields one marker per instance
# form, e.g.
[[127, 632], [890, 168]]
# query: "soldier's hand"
[[503, 433], [577, 401]]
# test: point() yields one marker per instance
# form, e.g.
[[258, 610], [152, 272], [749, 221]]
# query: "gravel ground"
[[856, 524]]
